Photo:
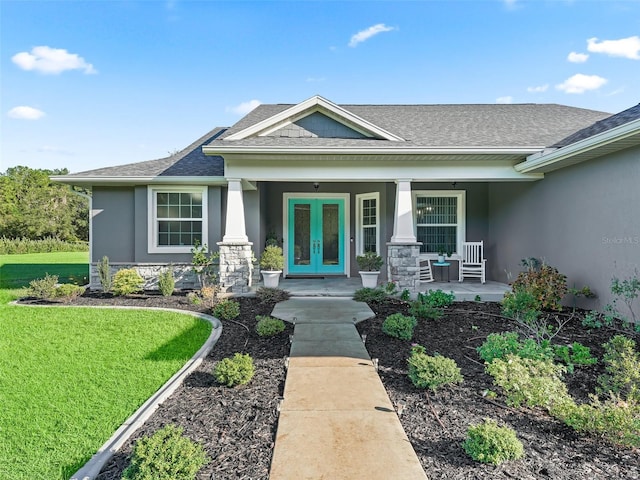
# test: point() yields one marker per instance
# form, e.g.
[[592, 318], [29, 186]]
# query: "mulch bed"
[[237, 426]]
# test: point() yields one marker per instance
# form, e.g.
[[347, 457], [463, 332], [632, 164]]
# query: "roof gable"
[[305, 112]]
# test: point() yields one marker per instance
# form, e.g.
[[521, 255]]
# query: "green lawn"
[[18, 270], [70, 376]]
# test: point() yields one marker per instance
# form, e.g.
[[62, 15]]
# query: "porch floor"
[[346, 287]]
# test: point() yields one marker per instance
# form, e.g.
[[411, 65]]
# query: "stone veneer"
[[183, 274], [236, 266], [403, 261]]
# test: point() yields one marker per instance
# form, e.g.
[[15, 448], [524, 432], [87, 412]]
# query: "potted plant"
[[271, 265], [369, 264], [441, 253]]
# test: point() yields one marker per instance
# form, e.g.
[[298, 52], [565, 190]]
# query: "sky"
[[89, 84]]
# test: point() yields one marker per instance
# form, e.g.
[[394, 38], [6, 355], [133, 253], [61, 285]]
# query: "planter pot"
[[271, 278], [440, 258], [369, 279]]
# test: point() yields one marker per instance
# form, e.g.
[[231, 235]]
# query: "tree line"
[[34, 207]]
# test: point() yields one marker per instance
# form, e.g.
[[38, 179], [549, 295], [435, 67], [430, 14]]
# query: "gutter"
[[221, 149], [99, 180], [538, 161]]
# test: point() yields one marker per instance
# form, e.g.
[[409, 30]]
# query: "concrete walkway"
[[336, 419]]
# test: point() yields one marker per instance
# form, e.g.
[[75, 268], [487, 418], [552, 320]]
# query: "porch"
[[346, 287]]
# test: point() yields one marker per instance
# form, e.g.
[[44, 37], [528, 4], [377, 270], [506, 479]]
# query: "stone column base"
[[403, 261], [236, 267]]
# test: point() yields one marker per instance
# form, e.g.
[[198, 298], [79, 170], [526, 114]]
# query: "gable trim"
[[311, 105]]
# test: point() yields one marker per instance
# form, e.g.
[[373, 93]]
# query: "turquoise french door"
[[316, 236]]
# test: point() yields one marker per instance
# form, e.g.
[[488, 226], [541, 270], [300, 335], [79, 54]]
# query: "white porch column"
[[235, 230], [403, 221]]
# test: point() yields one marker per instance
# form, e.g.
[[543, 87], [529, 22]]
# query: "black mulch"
[[237, 426]]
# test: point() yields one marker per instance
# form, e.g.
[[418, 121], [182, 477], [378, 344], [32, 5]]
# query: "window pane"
[[174, 199], [369, 243], [163, 198], [196, 212], [437, 210], [185, 211], [162, 211], [434, 237], [369, 214]]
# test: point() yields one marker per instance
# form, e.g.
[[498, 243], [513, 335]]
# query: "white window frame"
[[152, 225], [460, 196], [360, 198]]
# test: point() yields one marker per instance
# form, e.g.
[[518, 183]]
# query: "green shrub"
[[272, 258], [489, 443], [369, 262], [127, 281], [437, 298], [226, 309], [614, 419], [104, 274], [44, 288], [432, 372], [268, 326], [522, 306], [166, 282], [405, 295], [425, 312], [529, 381], [271, 295], [499, 345], [18, 246], [236, 370], [165, 455], [625, 291], [370, 295], [543, 282], [622, 364], [574, 354], [68, 291], [399, 326]]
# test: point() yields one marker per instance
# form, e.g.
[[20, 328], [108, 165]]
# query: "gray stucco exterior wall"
[[113, 224], [583, 220], [120, 225]]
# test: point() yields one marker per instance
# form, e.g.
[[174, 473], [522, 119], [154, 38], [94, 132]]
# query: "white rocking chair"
[[472, 263], [426, 275]]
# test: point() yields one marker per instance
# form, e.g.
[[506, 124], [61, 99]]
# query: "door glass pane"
[[302, 234], [330, 234]]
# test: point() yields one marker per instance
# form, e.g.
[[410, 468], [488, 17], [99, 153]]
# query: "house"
[[330, 181]]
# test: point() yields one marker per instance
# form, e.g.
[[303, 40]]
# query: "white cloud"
[[510, 4], [506, 99], [538, 89], [25, 113], [49, 60], [366, 34], [575, 57], [625, 47], [244, 107], [580, 83]]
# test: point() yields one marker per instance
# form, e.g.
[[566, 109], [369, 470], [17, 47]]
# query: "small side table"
[[442, 265]]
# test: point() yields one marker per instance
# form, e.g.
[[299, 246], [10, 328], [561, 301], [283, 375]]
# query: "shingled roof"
[[613, 121], [454, 125], [188, 162]]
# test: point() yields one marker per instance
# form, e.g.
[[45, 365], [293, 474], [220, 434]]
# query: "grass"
[[70, 376], [18, 270]]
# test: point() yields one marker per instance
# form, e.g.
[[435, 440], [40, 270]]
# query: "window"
[[367, 220], [178, 218], [439, 220]]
